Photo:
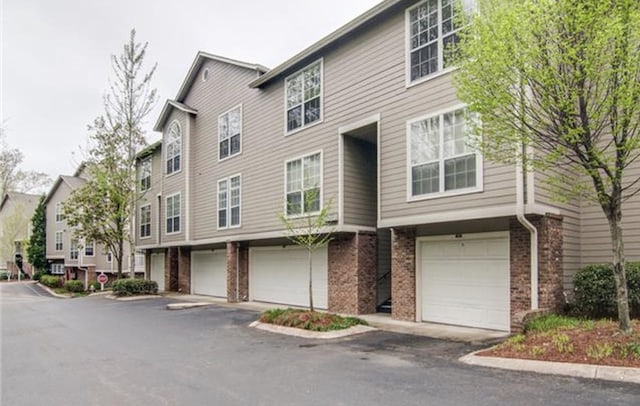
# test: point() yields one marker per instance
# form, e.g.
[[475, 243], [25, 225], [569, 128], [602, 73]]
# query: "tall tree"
[[12, 178], [36, 251], [103, 209], [557, 85]]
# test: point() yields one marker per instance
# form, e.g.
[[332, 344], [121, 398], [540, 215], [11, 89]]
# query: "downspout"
[[533, 232]]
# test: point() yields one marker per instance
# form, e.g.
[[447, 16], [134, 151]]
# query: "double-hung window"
[[433, 35], [145, 174], [89, 248], [442, 161], [229, 202], [173, 213], [304, 97], [73, 249], [59, 215], [57, 269], [230, 133], [303, 189], [145, 221], [174, 148], [58, 241]]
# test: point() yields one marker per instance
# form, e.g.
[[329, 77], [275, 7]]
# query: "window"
[[230, 132], [73, 249], [109, 257], [59, 215], [229, 202], [205, 74], [441, 159], [59, 245], [89, 248], [145, 174], [174, 148], [304, 97], [57, 269], [145, 221], [433, 35], [173, 214], [303, 185]]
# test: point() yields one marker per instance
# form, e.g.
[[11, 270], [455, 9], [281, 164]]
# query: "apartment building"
[[366, 119], [16, 211]]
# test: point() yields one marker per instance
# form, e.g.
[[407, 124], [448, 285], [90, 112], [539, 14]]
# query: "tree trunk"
[[622, 298], [120, 255], [132, 262], [310, 281]]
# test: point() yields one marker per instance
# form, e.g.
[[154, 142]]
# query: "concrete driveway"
[[95, 351]]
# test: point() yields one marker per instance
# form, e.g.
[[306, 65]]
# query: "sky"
[[55, 57]]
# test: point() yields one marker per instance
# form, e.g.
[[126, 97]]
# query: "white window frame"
[[73, 249], [166, 213], [109, 257], [146, 168], [286, 109], [57, 269], [239, 106], [321, 185], [166, 149], [143, 237], [87, 244], [441, 70], [479, 187], [59, 241], [58, 211], [228, 206]]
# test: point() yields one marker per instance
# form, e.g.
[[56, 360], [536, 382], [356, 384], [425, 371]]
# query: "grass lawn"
[[304, 319], [569, 339]]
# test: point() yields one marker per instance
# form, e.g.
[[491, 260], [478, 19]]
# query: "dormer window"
[[304, 97], [174, 148]]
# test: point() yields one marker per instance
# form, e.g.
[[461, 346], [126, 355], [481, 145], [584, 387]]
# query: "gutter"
[[530, 227]]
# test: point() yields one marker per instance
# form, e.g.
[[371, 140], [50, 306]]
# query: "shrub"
[[74, 286], [307, 320], [96, 285], [4, 275], [38, 274], [595, 290], [51, 281], [550, 322], [130, 287]]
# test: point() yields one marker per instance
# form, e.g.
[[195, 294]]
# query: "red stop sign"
[[102, 278]]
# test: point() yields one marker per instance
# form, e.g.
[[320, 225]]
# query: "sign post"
[[102, 278]]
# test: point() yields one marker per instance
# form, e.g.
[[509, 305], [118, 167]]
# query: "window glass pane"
[[311, 171], [294, 91], [312, 82], [294, 176], [235, 216], [312, 110], [451, 50], [235, 197], [235, 144], [294, 202], [234, 122], [425, 140], [460, 173], [222, 218], [312, 200], [223, 127], [224, 149], [294, 118], [425, 179]]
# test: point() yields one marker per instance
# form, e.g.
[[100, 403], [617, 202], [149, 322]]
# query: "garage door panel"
[[157, 270], [466, 281], [209, 272]]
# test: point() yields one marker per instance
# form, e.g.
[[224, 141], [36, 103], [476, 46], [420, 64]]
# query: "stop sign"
[[102, 278]]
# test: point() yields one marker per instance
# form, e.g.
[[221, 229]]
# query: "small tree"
[[561, 77], [12, 178], [36, 251], [309, 230]]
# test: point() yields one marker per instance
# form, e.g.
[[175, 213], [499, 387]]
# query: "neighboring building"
[[369, 118], [16, 211], [68, 256]]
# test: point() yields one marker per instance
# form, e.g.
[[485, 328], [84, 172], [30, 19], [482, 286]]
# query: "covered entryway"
[[280, 275], [209, 272], [157, 269], [464, 280]]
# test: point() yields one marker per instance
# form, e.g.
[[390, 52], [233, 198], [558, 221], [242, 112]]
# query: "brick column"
[[403, 274], [147, 264], [91, 275], [237, 272], [184, 270], [549, 266], [171, 269], [352, 273]]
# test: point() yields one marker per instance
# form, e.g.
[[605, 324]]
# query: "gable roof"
[[73, 182], [150, 149], [29, 200], [169, 105], [327, 41]]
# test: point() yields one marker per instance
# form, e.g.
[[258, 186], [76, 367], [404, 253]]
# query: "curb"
[[182, 306], [52, 293], [609, 373], [325, 335], [131, 298]]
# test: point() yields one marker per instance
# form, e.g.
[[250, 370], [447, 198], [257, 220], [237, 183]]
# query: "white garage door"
[[465, 281], [281, 275], [209, 272], [157, 269]]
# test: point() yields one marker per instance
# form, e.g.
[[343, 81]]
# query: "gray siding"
[[360, 184], [150, 197], [175, 182]]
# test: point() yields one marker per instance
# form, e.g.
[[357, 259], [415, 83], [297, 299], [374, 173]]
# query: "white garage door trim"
[[301, 295], [465, 237], [211, 281], [156, 275]]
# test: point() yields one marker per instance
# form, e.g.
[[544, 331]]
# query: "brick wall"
[[403, 274], [171, 270], [352, 268], [237, 272], [184, 270]]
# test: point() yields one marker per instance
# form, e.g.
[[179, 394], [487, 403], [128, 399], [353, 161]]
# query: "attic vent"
[[205, 75]]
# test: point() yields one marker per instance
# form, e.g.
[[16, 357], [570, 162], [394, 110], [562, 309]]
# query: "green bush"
[[51, 281], [595, 290], [130, 287], [74, 286], [307, 320], [38, 274]]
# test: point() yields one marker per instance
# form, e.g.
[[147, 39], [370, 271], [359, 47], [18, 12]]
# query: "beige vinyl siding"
[[61, 194], [150, 197], [175, 182], [360, 186]]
